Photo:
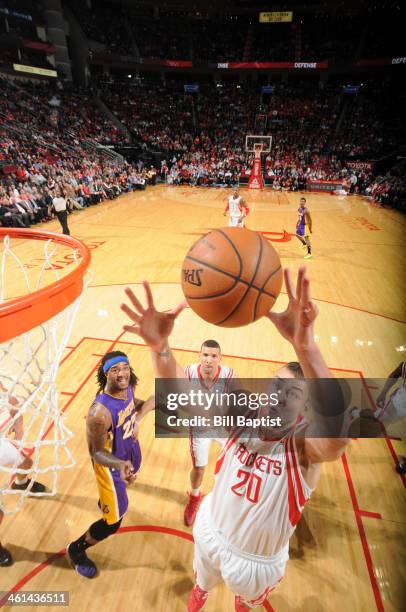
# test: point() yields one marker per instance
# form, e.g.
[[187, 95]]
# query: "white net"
[[33, 435]]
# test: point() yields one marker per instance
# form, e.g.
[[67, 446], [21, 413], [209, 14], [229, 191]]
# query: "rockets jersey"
[[221, 384], [221, 381], [123, 413], [5, 418], [234, 206], [259, 494]]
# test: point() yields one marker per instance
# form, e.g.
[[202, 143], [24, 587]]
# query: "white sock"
[[195, 492], [22, 480]]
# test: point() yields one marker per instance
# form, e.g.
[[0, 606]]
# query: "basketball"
[[231, 277]]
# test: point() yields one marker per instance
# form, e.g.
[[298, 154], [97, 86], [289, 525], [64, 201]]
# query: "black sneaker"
[[5, 557], [82, 564], [401, 467], [37, 487]]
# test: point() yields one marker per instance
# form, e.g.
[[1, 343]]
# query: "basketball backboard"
[[251, 140]]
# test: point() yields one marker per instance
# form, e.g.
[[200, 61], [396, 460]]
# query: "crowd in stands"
[[220, 40], [51, 113], [158, 115], [388, 190], [41, 130], [357, 31], [106, 24], [372, 123], [164, 38], [331, 36], [201, 136], [385, 33]]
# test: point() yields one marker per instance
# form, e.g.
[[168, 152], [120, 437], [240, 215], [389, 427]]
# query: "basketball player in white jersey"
[[392, 406], [237, 209], [11, 455], [210, 374], [243, 526]]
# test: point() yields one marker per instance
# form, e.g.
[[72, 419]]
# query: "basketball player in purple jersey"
[[304, 227], [112, 431]]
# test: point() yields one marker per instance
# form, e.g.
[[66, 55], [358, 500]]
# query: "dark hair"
[[211, 344], [101, 377], [295, 368], [302, 198]]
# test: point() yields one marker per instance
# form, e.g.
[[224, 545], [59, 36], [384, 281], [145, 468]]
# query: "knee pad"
[[100, 530]]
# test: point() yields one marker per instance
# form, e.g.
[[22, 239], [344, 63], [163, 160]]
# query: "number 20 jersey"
[[259, 494]]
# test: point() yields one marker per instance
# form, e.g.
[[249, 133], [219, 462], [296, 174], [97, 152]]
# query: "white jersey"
[[220, 384], [221, 381], [259, 494], [5, 418], [234, 206]]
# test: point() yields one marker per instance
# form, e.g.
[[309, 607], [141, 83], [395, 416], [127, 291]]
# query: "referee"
[[59, 204]]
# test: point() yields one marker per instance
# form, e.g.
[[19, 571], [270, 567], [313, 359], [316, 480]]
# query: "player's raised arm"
[[98, 423], [154, 328], [295, 324]]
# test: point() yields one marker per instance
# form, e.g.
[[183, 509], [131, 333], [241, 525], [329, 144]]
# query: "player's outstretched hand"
[[296, 322], [152, 326]]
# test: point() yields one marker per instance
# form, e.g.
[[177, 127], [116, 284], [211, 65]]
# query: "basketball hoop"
[[38, 304], [252, 141]]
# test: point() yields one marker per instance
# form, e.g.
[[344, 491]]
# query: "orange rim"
[[19, 315]]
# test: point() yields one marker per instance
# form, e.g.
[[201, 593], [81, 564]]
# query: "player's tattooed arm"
[[98, 423]]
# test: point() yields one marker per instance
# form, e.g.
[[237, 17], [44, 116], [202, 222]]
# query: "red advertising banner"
[[330, 186], [178, 63], [368, 166], [45, 47], [268, 65], [386, 61]]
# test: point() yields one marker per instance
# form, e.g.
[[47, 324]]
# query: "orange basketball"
[[231, 277]]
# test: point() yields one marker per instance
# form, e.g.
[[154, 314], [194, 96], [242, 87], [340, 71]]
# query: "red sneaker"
[[191, 508], [239, 606], [197, 599]]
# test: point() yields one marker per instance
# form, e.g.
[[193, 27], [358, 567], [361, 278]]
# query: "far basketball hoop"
[[257, 145], [251, 140]]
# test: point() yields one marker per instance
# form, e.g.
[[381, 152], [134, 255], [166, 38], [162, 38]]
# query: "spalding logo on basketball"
[[231, 277]]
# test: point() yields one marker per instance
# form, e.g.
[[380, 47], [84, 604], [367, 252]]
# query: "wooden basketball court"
[[348, 550]]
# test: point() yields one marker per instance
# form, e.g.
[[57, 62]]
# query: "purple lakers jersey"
[[123, 413]]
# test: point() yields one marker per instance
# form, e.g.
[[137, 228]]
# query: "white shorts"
[[200, 447], [10, 455], [235, 221], [252, 577]]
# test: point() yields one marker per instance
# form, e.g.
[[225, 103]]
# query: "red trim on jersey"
[[192, 454], [294, 510], [229, 376], [4, 423], [220, 460], [302, 498]]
